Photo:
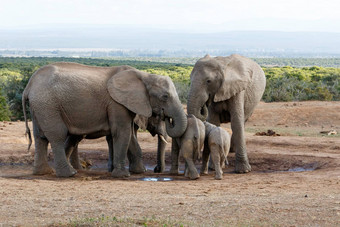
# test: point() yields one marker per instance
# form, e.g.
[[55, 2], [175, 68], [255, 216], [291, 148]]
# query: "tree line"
[[285, 83]]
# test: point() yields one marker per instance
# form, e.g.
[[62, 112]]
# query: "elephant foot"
[[42, 170], [204, 171], [110, 166], [186, 172], [174, 171], [110, 169], [218, 177], [194, 176], [65, 172], [137, 168], [159, 169], [242, 167], [120, 173]]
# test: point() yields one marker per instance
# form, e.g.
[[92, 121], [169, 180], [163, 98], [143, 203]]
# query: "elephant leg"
[[232, 149], [174, 157], [135, 155], [211, 165], [160, 156], [216, 159], [191, 169], [186, 170], [120, 146], [188, 154], [223, 160], [238, 137], [205, 158], [110, 166], [56, 133], [71, 150], [41, 166]]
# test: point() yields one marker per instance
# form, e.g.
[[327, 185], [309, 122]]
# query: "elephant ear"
[[128, 89], [141, 121], [236, 77]]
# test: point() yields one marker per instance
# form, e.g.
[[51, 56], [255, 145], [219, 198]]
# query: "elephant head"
[[153, 124], [215, 80], [149, 95]]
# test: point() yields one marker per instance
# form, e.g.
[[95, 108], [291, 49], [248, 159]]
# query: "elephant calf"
[[217, 143], [189, 145]]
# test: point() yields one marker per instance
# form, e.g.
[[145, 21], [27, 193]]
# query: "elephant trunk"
[[197, 106], [177, 124]]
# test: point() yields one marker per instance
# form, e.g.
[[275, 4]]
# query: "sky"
[[190, 15]]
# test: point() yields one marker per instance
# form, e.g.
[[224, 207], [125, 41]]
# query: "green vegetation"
[[4, 110], [114, 221], [301, 84], [285, 83]]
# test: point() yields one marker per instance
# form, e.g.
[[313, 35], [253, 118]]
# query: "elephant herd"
[[69, 102]]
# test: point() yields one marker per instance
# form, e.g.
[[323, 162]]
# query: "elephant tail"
[[28, 131]]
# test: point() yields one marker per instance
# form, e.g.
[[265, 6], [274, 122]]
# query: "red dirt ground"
[[295, 180]]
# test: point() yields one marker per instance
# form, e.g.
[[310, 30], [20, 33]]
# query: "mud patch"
[[283, 163]]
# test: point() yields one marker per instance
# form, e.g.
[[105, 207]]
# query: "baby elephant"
[[189, 145], [217, 143]]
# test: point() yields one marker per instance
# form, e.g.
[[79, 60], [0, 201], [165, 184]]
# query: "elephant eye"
[[208, 81], [165, 97]]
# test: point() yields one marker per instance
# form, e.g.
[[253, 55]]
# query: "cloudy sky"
[[189, 15]]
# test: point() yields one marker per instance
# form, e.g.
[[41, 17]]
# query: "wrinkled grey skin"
[[189, 145], [227, 89], [217, 144], [72, 99]]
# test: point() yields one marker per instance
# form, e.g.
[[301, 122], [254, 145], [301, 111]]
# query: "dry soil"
[[294, 180]]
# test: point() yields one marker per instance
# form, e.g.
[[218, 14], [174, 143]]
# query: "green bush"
[[5, 114], [301, 84]]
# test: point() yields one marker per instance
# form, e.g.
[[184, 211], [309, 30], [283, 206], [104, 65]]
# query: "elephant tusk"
[[162, 138]]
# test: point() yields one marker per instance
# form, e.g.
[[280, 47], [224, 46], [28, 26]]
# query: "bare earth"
[[295, 180]]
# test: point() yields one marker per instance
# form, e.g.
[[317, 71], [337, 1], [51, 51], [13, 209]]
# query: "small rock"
[[268, 133], [330, 132]]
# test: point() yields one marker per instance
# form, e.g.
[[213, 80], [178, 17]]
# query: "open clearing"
[[295, 180]]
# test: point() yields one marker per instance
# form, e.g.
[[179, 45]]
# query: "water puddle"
[[155, 179], [301, 169]]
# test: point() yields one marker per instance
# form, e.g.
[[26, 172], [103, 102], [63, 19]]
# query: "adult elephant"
[[72, 99], [227, 89]]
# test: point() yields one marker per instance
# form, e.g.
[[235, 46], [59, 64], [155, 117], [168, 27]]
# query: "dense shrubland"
[[283, 83]]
